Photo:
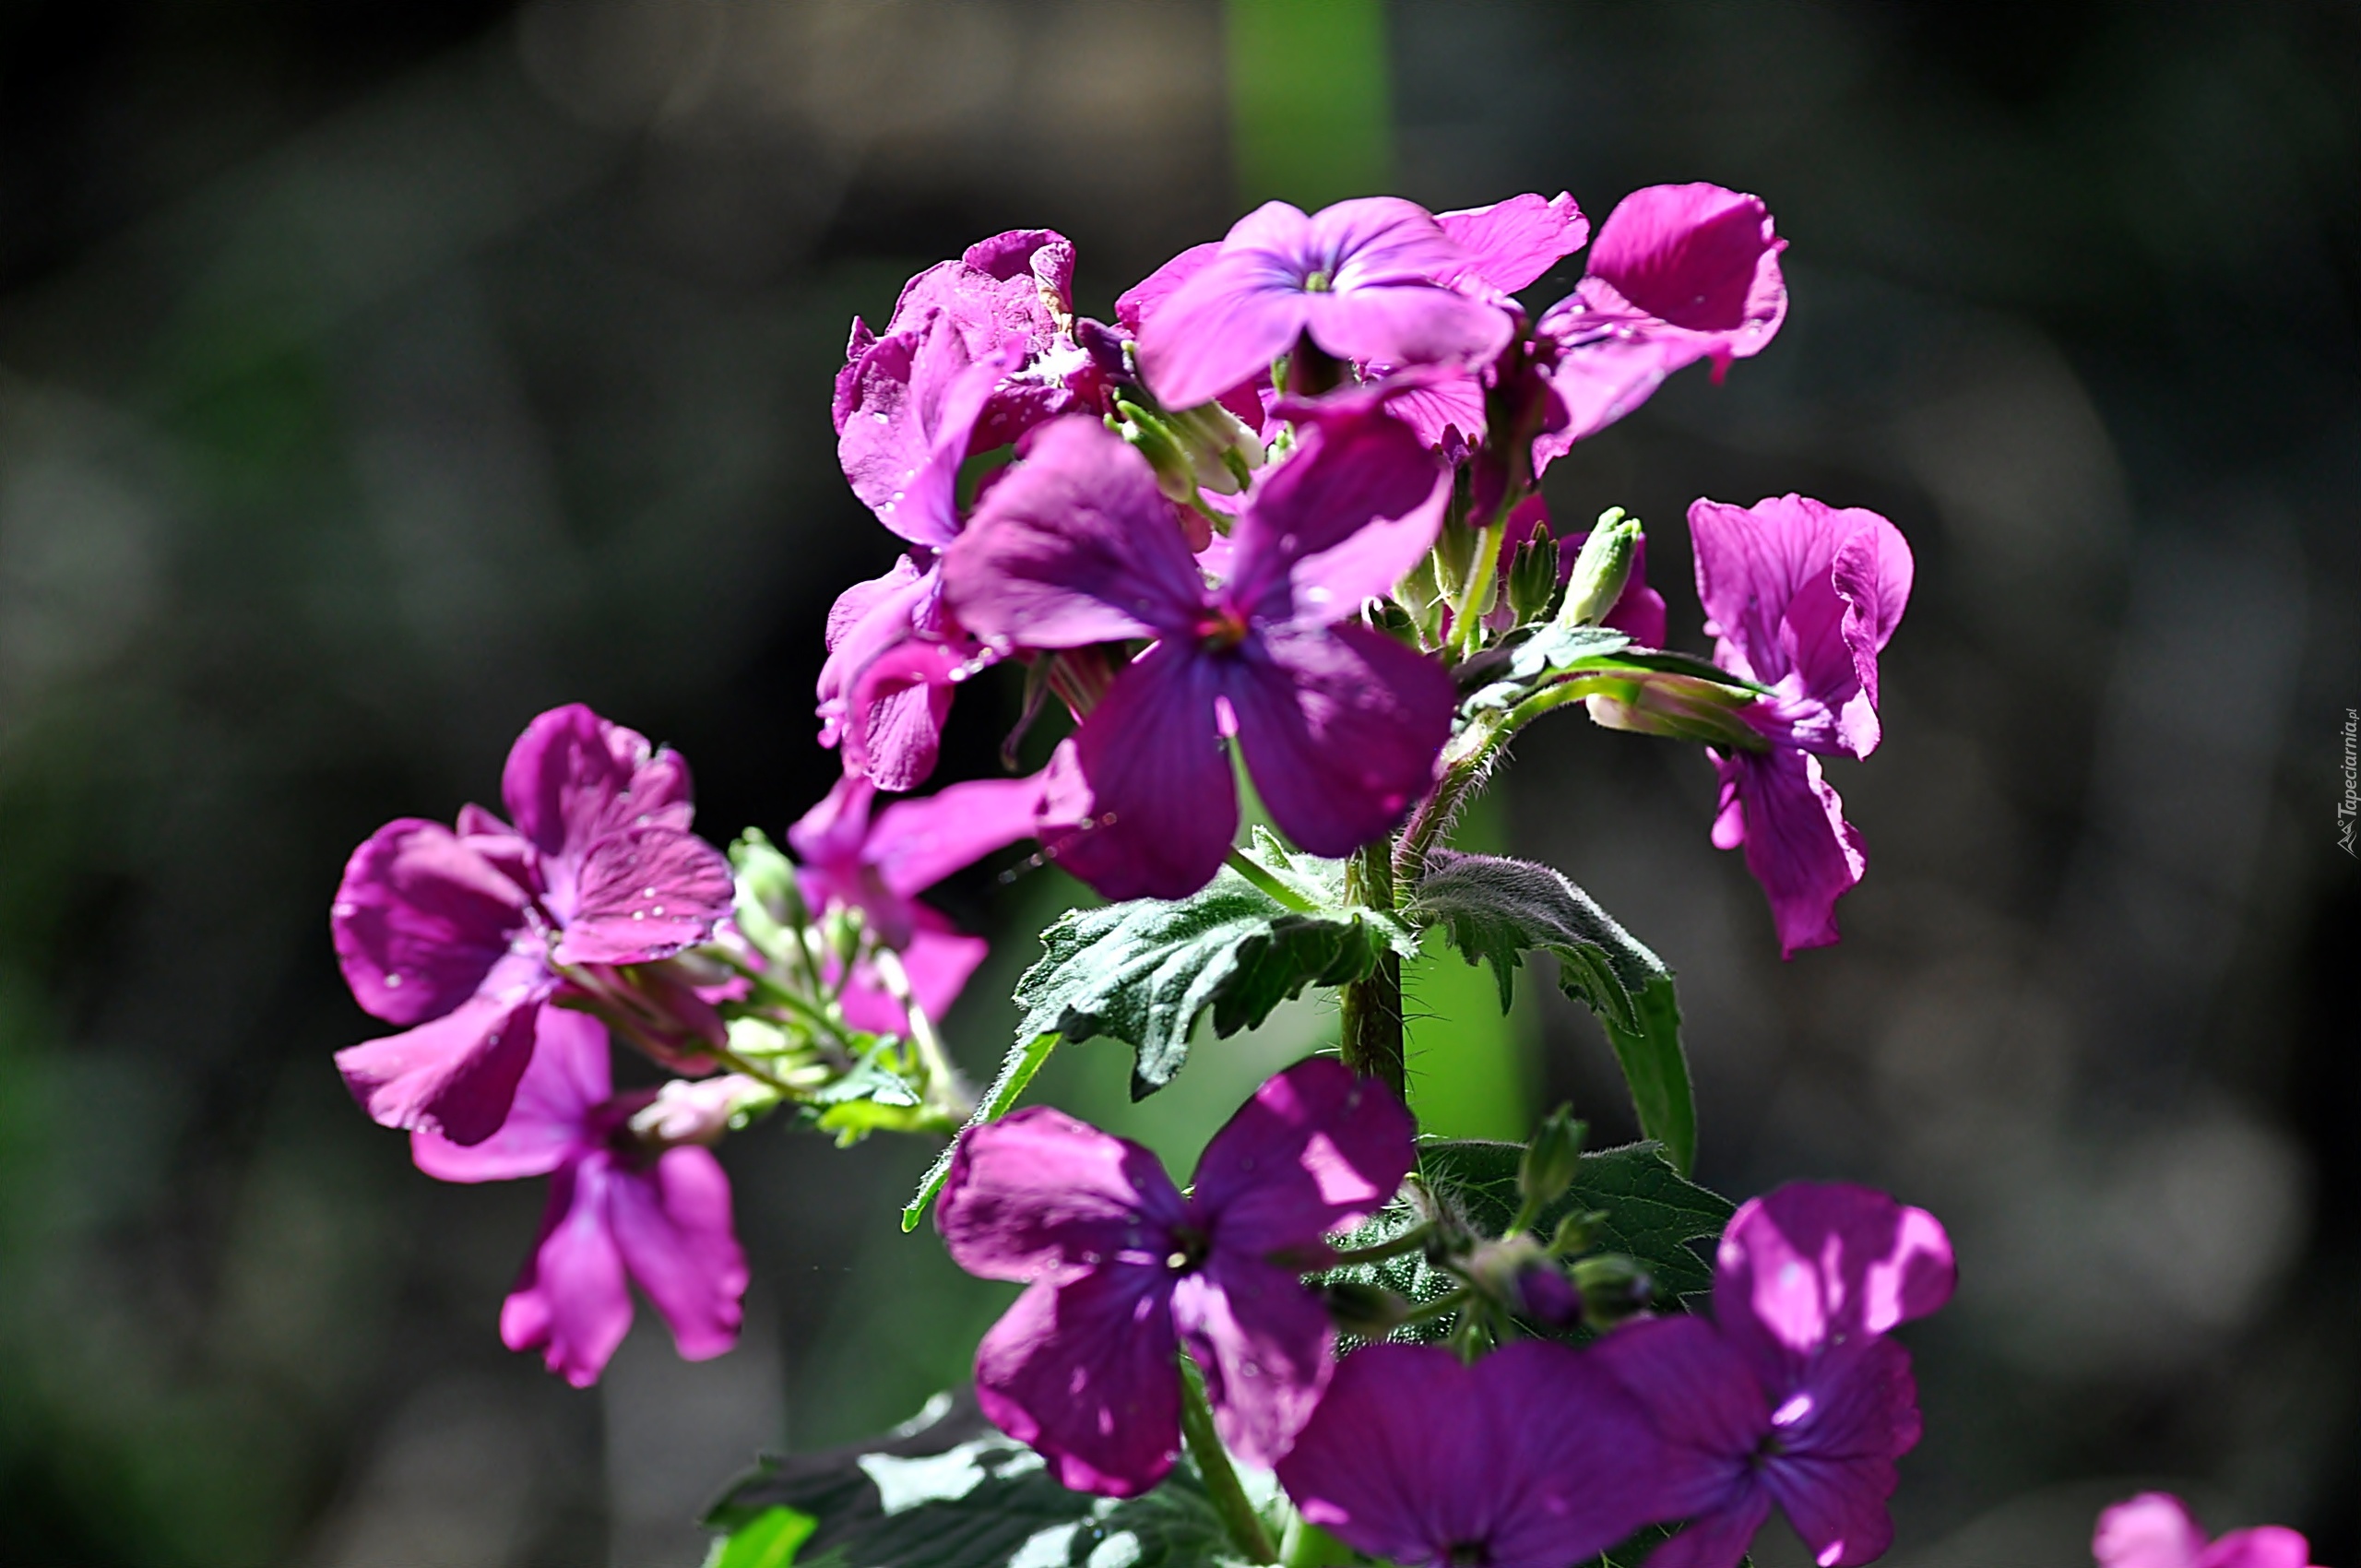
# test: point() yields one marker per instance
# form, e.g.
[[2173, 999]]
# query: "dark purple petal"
[[1337, 523], [549, 1120], [1814, 1263], [572, 777], [455, 1075], [1318, 1149], [2152, 1530], [1718, 1540], [1340, 729], [1513, 242], [1406, 324], [644, 894], [671, 1222], [1798, 843], [572, 1304], [1084, 1371], [938, 961], [1704, 1402], [1038, 1194], [1223, 326], [1265, 1345], [420, 919], [1160, 803], [916, 844], [1835, 1438], [1077, 546]]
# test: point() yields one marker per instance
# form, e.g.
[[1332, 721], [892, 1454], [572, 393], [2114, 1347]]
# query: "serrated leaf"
[[948, 1491], [1497, 910]]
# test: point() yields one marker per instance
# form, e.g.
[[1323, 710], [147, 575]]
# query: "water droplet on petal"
[[659, 909], [393, 982], [883, 419], [648, 893], [639, 914]]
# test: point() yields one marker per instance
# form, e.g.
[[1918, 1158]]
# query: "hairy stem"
[[1222, 1488], [1372, 1007]]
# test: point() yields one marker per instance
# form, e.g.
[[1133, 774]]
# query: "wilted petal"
[[1511, 243], [1077, 546], [644, 894], [1084, 1371], [1162, 801], [549, 1120], [572, 1304], [420, 919], [455, 1075], [1337, 523], [1318, 1149], [1818, 1262], [1340, 729], [1038, 1193], [1798, 843], [671, 1222]]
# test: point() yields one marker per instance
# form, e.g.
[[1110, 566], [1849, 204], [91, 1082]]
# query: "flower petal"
[[1340, 728], [1143, 299], [903, 697], [1839, 1432], [420, 919], [1814, 1263], [1084, 1371], [671, 1222], [1337, 523], [1578, 1462], [938, 960], [916, 395], [572, 777], [1224, 326], [550, 1118], [1798, 843], [1038, 1194], [572, 1304], [644, 894], [2152, 1530], [2268, 1546], [1159, 801], [916, 844], [1406, 324], [1265, 1345], [1077, 546], [1398, 1458], [1318, 1149], [1704, 1402], [1513, 242], [1718, 1539], [455, 1075]]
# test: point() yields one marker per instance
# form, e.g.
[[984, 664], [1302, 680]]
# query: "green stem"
[[1370, 1008], [942, 1077], [1222, 1487], [1306, 1544], [1467, 615], [1268, 881], [777, 995]]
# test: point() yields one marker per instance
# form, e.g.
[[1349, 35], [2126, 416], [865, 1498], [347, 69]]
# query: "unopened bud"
[[1601, 570], [1552, 1160], [1613, 1288], [768, 904], [698, 1112], [1207, 446], [1367, 1312], [1454, 556], [1533, 578], [1420, 599], [1576, 1232], [1686, 708]]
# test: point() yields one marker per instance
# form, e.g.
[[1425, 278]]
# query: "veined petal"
[[572, 777], [1578, 1468], [1838, 1432], [1513, 242], [644, 894], [1798, 843], [916, 395], [1160, 802], [895, 710], [1340, 729], [1406, 324], [1318, 1149], [1337, 523], [1083, 1370], [1265, 1346], [1224, 326], [1038, 1193], [1076, 546], [456, 1076], [672, 1223], [549, 1120], [1816, 1263], [420, 919], [1718, 1539], [572, 1304], [1398, 1460]]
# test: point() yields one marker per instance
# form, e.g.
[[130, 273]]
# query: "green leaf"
[[948, 1491], [1024, 1060], [1654, 1213], [1497, 910], [770, 1540]]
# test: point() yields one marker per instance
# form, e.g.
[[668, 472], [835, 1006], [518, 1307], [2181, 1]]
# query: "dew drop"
[[883, 419], [639, 914], [393, 982], [658, 910], [648, 893]]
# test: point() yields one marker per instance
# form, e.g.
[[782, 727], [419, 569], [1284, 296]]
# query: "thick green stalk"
[[1372, 1007], [1222, 1488]]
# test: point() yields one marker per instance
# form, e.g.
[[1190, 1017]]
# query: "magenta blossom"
[[1534, 1457], [877, 866], [1122, 1271], [1678, 274], [1340, 725], [621, 1205], [2155, 1530], [1800, 597], [1359, 278], [464, 937], [1510, 243], [1791, 1394]]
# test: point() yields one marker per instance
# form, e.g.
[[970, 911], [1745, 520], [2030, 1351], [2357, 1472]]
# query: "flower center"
[[1221, 630], [1467, 1554], [1319, 283], [1190, 1246]]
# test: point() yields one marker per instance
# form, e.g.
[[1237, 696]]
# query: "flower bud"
[[768, 904], [1421, 598], [1207, 446], [1686, 708], [1552, 1160], [1601, 570], [1576, 1232], [1613, 1288], [1533, 578], [1367, 1312], [686, 1112]]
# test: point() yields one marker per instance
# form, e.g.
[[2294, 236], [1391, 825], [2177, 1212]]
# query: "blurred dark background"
[[373, 376]]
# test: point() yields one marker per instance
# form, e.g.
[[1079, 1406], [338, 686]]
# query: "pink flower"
[[1800, 597], [622, 1209], [1510, 243], [2155, 1530], [1533, 1457], [1791, 1394], [1122, 1271], [463, 936], [1359, 278]]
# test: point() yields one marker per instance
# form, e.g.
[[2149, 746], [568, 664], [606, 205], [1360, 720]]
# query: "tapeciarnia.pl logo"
[[2349, 808]]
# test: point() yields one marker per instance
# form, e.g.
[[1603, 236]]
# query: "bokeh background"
[[372, 376]]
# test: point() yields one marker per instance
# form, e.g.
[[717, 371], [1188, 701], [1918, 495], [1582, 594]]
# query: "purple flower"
[[1680, 273], [620, 1204], [1122, 1271], [1800, 597], [2155, 1530], [1340, 725], [1791, 1394], [1533, 1457], [1359, 278], [461, 936], [876, 865], [1510, 243]]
